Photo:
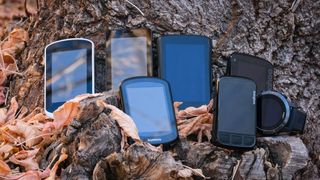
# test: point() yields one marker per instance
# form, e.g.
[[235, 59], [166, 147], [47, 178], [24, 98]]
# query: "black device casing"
[[235, 113], [264, 66]]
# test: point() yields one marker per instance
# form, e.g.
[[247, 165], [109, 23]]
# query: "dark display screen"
[[69, 74], [237, 106], [270, 112], [186, 66], [129, 58]]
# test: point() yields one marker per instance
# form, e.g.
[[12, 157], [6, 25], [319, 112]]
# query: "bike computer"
[[148, 101], [69, 65]]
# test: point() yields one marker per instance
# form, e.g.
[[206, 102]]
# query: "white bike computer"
[[69, 71]]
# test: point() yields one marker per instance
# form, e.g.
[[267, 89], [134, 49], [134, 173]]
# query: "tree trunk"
[[286, 33]]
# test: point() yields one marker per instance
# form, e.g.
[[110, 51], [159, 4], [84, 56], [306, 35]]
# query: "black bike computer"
[[253, 67], [185, 62], [235, 113], [148, 101], [69, 65]]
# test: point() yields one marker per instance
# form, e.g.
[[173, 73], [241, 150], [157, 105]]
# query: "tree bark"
[[286, 33]]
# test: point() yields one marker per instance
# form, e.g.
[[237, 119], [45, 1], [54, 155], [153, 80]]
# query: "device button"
[[236, 139], [224, 138], [248, 141]]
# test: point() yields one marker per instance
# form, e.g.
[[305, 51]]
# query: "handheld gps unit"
[[185, 62], [235, 112], [255, 68], [69, 65], [129, 54], [276, 114], [148, 101]]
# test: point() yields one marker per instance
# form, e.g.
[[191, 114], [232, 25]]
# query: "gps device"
[[185, 62], [69, 65], [255, 68], [129, 54], [276, 114], [148, 101], [235, 113]]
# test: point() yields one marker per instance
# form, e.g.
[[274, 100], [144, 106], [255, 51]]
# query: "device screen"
[[270, 112], [149, 115], [69, 71], [237, 107], [129, 58], [128, 55], [68, 74], [185, 65]]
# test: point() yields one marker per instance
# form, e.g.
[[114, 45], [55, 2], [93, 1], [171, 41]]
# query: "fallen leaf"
[[5, 149], [12, 109], [197, 172], [3, 91], [54, 169], [65, 113], [192, 112], [4, 168], [27, 131], [197, 121], [125, 121], [184, 173], [8, 114], [26, 159], [29, 175], [15, 38]]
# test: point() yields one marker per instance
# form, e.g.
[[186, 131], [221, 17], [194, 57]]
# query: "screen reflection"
[[69, 75], [128, 58], [149, 109]]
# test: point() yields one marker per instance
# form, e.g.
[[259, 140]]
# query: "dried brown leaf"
[[125, 122], [12, 109], [6, 115], [28, 132], [192, 112], [65, 113], [26, 159], [54, 169], [3, 91], [4, 168], [16, 37], [29, 175], [196, 121]]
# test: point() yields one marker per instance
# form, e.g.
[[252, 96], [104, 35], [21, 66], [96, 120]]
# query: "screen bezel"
[[65, 45], [125, 33], [187, 39], [161, 137], [237, 58]]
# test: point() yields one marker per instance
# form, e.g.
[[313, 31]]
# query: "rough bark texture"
[[285, 33]]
